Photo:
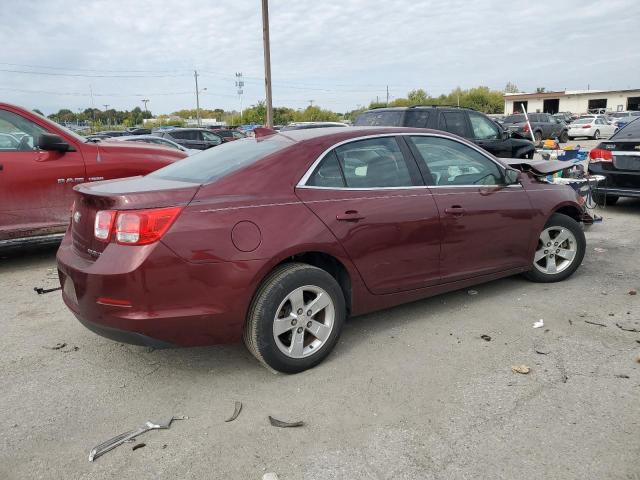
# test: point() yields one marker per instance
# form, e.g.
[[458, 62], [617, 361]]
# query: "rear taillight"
[[134, 227], [600, 155], [525, 129], [102, 225], [586, 126]]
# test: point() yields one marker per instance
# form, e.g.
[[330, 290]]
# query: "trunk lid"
[[127, 194]]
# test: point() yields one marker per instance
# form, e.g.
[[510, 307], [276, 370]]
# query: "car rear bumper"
[[581, 132], [621, 183], [150, 296]]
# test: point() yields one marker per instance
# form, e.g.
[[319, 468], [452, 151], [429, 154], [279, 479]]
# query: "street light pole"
[[267, 62], [195, 75]]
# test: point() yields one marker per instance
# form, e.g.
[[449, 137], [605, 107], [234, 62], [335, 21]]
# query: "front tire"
[[560, 250], [295, 318]]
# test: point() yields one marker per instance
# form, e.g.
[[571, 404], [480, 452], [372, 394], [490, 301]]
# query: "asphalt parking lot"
[[409, 393]]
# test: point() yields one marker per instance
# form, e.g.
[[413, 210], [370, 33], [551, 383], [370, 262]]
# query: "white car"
[[592, 127], [165, 142]]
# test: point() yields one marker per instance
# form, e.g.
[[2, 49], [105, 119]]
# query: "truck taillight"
[[525, 129], [141, 227], [600, 155], [134, 227], [102, 225]]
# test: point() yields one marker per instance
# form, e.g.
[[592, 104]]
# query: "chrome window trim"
[[305, 178]]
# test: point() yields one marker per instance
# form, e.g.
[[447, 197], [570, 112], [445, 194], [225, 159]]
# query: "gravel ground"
[[409, 393]]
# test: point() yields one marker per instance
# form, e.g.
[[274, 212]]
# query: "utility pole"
[[106, 106], [145, 101], [195, 75], [267, 62], [239, 86], [387, 95]]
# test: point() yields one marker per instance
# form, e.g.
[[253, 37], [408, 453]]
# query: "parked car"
[[594, 126], [566, 117], [279, 238], [544, 126], [138, 131], [228, 135], [620, 119], [195, 138], [305, 125], [467, 123], [155, 140], [618, 159], [37, 175]]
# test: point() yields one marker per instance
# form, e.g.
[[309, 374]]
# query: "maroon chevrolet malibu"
[[278, 239]]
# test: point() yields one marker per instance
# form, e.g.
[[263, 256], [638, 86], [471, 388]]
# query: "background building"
[[575, 101]]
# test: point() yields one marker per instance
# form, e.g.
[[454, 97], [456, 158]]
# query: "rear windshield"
[[583, 120], [217, 162], [380, 119], [514, 119], [630, 130]]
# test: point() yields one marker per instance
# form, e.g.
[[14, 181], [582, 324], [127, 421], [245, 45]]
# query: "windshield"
[[214, 163], [630, 130], [514, 119], [380, 118]]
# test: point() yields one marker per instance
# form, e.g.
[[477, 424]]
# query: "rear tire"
[[538, 137], [564, 137], [295, 318], [560, 250], [596, 135], [602, 199]]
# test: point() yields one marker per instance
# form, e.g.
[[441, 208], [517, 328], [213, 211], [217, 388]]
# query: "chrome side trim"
[[302, 182]]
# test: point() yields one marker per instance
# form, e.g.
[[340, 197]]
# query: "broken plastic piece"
[[523, 369], [279, 423], [138, 445], [539, 324], [236, 412], [486, 338], [42, 291], [57, 346], [112, 443]]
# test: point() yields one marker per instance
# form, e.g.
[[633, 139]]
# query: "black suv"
[[543, 125], [465, 122], [196, 138]]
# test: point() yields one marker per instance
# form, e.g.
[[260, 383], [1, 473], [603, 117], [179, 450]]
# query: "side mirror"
[[511, 176], [53, 142], [506, 134]]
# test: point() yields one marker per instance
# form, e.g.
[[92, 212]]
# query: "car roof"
[[342, 133]]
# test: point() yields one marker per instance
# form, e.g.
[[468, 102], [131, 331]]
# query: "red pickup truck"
[[41, 162]]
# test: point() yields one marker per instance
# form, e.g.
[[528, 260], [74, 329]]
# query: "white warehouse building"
[[574, 101]]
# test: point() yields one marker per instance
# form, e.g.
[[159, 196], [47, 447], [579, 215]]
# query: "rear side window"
[[383, 118], [212, 164], [374, 163], [514, 119], [416, 118], [454, 122]]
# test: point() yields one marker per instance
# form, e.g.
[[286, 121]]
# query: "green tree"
[[511, 88]]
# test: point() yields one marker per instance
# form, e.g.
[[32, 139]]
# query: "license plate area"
[[626, 162]]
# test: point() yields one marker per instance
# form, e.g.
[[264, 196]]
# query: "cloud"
[[339, 53]]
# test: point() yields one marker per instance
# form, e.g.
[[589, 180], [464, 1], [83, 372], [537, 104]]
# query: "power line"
[[83, 75]]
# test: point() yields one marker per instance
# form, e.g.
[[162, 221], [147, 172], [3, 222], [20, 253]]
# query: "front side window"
[[452, 163], [374, 163], [211, 137], [483, 128], [453, 122], [417, 118], [17, 134]]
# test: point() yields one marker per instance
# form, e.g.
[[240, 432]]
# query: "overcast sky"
[[338, 53]]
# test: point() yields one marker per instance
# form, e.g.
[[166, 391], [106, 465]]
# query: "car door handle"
[[349, 216], [454, 210]]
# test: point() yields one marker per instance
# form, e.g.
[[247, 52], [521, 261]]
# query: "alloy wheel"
[[304, 321], [557, 248]]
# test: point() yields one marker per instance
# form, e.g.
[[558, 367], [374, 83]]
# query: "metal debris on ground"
[[129, 436], [523, 369], [57, 346], [542, 351], [627, 328], [622, 376], [595, 323], [138, 445], [539, 324], [472, 292], [236, 412], [486, 338], [279, 423], [42, 291]]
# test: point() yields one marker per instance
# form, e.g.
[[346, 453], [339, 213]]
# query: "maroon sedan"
[[279, 238]]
